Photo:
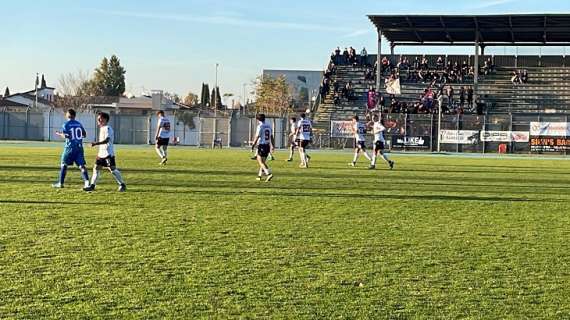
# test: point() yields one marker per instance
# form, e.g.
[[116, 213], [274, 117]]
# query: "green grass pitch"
[[438, 237]]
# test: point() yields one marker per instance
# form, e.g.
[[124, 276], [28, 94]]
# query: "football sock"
[[260, 172], [117, 174], [159, 152], [267, 171], [291, 153], [355, 157], [164, 152], [373, 160], [303, 157], [95, 177], [385, 157], [84, 175], [367, 156], [62, 173]]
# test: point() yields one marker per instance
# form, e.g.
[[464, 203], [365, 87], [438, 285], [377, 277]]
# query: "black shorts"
[[263, 150], [305, 143], [379, 145], [359, 145], [162, 142], [296, 142], [107, 162]]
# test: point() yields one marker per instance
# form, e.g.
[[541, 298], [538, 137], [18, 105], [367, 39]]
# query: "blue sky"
[[174, 45]]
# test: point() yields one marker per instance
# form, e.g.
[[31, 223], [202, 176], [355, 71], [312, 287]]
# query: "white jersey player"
[[379, 129], [359, 132], [303, 133], [106, 154], [162, 136], [293, 141], [265, 141]]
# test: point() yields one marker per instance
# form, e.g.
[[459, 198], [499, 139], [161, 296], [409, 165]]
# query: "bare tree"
[[75, 84]]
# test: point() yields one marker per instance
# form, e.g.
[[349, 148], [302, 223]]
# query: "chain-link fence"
[[405, 132]]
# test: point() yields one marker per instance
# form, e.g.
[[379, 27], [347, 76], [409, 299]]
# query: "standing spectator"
[[439, 63], [450, 96], [461, 96], [345, 56], [524, 76], [371, 99], [363, 57], [470, 98]]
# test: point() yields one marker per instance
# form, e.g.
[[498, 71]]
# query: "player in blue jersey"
[[73, 133]]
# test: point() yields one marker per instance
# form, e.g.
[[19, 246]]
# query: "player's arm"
[[257, 134], [158, 125], [64, 133], [83, 132], [93, 144]]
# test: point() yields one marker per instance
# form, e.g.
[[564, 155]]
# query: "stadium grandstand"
[[497, 84]]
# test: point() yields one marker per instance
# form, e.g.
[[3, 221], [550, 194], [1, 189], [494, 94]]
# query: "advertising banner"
[[549, 144], [422, 142], [341, 129], [549, 129], [459, 136], [505, 136]]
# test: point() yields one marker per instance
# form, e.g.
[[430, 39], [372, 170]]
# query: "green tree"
[[43, 85], [273, 95], [109, 78], [191, 99], [216, 99], [205, 95], [7, 92]]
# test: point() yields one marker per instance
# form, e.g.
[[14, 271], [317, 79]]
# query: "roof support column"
[[379, 60], [476, 68]]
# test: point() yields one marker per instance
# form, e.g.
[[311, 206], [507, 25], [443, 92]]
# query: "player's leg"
[[291, 150], [158, 149], [374, 156], [117, 175], [66, 160], [386, 159], [95, 176], [80, 161], [363, 149], [165, 152]]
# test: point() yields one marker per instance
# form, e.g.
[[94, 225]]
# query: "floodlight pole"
[[215, 136], [379, 60]]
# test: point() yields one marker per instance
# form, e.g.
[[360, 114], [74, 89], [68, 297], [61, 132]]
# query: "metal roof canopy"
[[487, 30]]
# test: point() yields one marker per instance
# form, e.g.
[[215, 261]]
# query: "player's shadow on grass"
[[69, 203], [359, 196]]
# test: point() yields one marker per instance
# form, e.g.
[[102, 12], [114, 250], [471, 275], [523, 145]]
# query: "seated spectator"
[[425, 64], [336, 98], [524, 76], [386, 66], [515, 78], [439, 63]]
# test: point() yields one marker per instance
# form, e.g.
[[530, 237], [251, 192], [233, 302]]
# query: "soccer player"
[[293, 142], [304, 130], [359, 131], [162, 136], [73, 132], [106, 154], [265, 140], [379, 142]]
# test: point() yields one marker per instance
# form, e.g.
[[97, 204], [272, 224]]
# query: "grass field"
[[438, 237]]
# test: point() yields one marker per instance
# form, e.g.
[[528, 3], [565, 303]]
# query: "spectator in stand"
[[337, 59], [348, 92], [470, 98], [336, 98], [417, 63], [425, 64], [381, 102], [335, 86], [394, 105], [352, 56], [439, 63], [461, 96], [363, 57], [371, 99], [515, 78], [450, 97], [345, 56], [385, 65], [524, 76]]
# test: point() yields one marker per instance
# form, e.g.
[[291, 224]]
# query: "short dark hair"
[[355, 118], [71, 112], [104, 115], [293, 118], [160, 113], [303, 116], [260, 117], [375, 117]]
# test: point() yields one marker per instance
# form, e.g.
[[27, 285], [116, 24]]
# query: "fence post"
[[199, 131], [457, 129], [230, 129], [484, 129], [27, 124], [431, 128], [512, 144]]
